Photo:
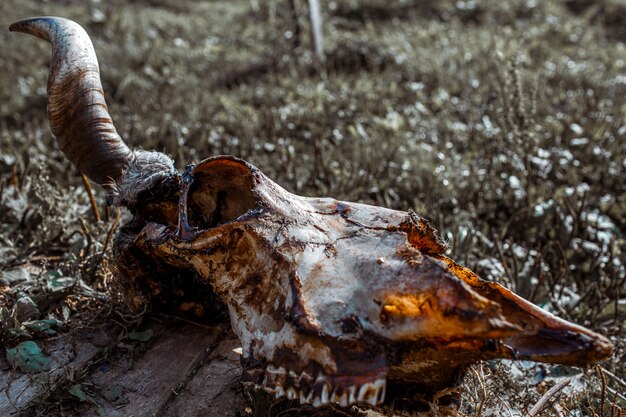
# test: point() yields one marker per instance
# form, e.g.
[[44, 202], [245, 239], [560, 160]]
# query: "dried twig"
[[615, 377], [603, 379], [480, 377], [92, 200], [616, 394], [297, 31], [505, 405], [614, 405], [505, 264], [315, 15], [15, 178], [109, 236], [543, 401]]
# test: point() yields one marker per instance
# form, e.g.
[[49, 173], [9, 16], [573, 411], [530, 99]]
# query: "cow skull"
[[329, 299]]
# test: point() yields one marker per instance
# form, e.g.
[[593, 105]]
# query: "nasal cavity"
[[220, 193]]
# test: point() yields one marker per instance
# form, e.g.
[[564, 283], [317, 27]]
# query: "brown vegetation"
[[503, 122]]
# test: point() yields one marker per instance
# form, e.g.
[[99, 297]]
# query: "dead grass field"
[[502, 122]]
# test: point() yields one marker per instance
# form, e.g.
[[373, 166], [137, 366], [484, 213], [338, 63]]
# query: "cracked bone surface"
[[331, 300]]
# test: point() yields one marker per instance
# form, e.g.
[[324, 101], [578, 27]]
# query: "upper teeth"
[[372, 392]]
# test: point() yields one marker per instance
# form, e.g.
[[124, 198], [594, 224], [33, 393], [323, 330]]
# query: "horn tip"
[[17, 26], [40, 26]]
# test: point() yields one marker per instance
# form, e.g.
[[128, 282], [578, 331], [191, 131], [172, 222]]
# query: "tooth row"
[[373, 392], [281, 377], [321, 391]]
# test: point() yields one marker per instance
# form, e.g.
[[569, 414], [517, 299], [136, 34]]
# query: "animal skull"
[[329, 299]]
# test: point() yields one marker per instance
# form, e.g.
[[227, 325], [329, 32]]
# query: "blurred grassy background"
[[502, 122]]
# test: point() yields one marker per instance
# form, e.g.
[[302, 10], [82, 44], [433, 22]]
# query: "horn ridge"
[[77, 110]]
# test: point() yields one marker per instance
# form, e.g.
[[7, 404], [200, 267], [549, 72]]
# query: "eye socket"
[[220, 193]]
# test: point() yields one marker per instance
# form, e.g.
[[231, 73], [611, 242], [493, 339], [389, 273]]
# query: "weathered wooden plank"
[[214, 390], [146, 384], [67, 353]]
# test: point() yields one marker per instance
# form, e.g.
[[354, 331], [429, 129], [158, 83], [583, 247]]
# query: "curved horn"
[[77, 111]]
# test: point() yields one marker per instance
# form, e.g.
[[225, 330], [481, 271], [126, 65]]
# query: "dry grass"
[[503, 122]]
